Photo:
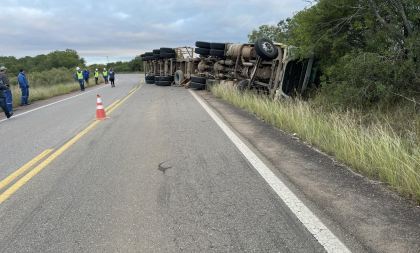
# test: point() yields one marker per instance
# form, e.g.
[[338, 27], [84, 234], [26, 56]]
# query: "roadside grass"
[[42, 92], [375, 150]]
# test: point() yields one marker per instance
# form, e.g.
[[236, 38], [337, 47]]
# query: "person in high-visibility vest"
[[96, 76], [79, 76], [105, 75]]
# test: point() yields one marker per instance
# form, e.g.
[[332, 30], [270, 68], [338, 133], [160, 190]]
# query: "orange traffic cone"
[[100, 111]]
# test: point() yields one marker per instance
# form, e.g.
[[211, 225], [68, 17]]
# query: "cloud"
[[127, 28], [121, 15]]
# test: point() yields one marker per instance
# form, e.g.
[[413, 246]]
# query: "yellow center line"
[[132, 90], [24, 168], [110, 106], [122, 101], [47, 161]]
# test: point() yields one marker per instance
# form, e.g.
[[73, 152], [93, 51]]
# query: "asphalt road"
[[159, 176]]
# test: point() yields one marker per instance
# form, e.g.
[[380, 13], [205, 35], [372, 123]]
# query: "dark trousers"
[[9, 99], [96, 80], [82, 85], [87, 81], [25, 95], [112, 80], [3, 106]]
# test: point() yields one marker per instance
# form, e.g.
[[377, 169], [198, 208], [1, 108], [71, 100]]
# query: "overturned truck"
[[270, 68]]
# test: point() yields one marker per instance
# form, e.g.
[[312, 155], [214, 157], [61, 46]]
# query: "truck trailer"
[[270, 68]]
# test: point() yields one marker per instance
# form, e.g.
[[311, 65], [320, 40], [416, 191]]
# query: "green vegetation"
[[369, 50], [375, 150]]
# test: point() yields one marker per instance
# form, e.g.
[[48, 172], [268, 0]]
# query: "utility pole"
[[107, 59]]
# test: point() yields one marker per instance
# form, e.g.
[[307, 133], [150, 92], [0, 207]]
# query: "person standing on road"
[[86, 76], [112, 77], [24, 86], [3, 104], [8, 92], [105, 75], [79, 76], [96, 76]]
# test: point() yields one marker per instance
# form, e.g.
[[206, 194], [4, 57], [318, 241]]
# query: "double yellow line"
[[47, 161]]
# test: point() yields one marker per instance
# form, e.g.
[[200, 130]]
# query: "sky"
[[122, 29]]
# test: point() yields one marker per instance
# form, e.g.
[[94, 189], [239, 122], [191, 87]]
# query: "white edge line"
[[324, 236], [14, 116]]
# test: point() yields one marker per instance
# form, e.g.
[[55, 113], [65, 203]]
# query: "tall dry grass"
[[374, 150]]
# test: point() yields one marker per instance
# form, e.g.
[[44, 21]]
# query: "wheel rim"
[[267, 47]]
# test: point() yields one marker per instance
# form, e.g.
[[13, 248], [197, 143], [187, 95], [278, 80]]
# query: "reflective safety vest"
[[80, 75], [96, 74], [105, 73]]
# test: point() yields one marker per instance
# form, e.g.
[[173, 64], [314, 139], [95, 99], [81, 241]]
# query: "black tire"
[[156, 56], [214, 52], [202, 51], [196, 79], [148, 54], [166, 78], [166, 50], [149, 58], [156, 51], [198, 86], [202, 44], [243, 85], [217, 45], [150, 81], [157, 78], [167, 55], [150, 78], [266, 49], [163, 83]]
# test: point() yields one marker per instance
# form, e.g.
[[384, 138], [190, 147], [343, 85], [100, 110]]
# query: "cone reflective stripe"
[[100, 111]]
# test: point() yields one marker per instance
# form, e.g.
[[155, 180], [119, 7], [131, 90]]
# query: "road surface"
[[160, 175]]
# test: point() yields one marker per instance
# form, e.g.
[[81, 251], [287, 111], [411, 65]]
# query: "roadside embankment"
[[374, 150]]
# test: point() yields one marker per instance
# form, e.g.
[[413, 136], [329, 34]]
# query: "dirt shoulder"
[[364, 214]]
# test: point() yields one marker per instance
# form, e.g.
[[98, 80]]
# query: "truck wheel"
[[202, 51], [214, 52], [179, 77], [202, 44], [198, 86], [167, 55], [148, 54], [243, 85], [150, 78], [166, 50], [163, 83], [196, 79], [157, 78], [218, 46], [156, 56], [166, 78], [266, 49], [150, 81]]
